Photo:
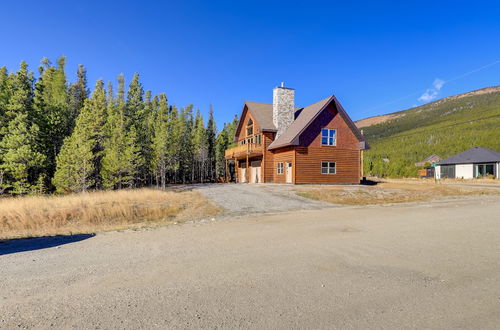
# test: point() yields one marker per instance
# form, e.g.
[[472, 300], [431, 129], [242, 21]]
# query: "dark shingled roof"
[[473, 155], [291, 136]]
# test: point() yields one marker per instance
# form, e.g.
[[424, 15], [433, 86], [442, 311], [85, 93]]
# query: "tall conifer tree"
[[78, 163]]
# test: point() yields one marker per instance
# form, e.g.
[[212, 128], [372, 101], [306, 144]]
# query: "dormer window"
[[250, 127]]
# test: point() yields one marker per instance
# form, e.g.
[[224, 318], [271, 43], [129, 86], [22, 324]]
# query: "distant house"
[[473, 163], [282, 143], [432, 159]]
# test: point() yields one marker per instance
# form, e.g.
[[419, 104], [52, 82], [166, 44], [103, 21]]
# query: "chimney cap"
[[282, 86]]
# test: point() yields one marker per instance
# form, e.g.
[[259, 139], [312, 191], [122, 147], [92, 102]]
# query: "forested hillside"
[[59, 136], [444, 127]]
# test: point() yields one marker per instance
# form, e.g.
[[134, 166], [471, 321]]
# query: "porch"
[[248, 160]]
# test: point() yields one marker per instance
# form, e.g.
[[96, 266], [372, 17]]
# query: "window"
[[328, 168], [484, 170], [258, 139], [328, 137], [281, 168], [250, 127]]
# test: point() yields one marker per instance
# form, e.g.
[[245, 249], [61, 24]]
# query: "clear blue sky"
[[224, 52]]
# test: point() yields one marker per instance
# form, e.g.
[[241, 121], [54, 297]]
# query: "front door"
[[288, 172]]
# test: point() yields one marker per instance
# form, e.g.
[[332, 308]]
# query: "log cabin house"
[[282, 143]]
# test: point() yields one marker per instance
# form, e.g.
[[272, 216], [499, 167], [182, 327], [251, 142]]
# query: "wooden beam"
[[362, 170], [227, 171], [246, 171], [236, 169]]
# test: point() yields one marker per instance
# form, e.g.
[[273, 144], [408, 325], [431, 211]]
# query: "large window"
[[448, 171], [328, 168], [485, 170], [249, 127], [328, 137], [281, 168]]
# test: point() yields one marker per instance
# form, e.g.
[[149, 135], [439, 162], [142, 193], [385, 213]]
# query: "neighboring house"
[[473, 163], [432, 159], [282, 143]]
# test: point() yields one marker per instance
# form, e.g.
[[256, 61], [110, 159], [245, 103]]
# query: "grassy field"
[[98, 211], [396, 191]]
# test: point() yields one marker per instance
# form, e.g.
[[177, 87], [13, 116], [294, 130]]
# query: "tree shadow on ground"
[[38, 243]]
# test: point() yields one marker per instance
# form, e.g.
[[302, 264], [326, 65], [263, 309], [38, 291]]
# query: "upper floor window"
[[258, 139], [250, 127], [328, 137]]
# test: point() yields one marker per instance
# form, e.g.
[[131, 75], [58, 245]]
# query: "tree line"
[[57, 136]]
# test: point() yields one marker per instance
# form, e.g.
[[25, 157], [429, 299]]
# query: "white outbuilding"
[[476, 162]]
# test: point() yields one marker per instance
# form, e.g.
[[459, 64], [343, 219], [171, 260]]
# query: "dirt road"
[[433, 265]]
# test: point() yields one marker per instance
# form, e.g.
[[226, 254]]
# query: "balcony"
[[244, 150]]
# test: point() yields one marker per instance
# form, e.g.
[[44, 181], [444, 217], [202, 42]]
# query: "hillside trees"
[[445, 127]]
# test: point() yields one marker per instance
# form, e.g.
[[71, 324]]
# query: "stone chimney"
[[283, 108]]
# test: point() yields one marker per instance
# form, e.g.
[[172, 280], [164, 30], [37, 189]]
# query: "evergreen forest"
[[60, 136]]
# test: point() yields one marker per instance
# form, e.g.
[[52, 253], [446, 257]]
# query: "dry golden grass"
[[98, 211], [389, 192]]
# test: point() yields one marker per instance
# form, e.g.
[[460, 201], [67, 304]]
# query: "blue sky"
[[376, 57]]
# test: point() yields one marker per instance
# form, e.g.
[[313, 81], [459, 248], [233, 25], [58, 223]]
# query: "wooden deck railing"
[[243, 149]]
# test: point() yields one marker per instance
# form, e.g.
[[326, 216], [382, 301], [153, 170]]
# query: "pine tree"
[[221, 144], [199, 145], [4, 98], [120, 154], [78, 163], [20, 160], [52, 109], [78, 93], [211, 134], [134, 111], [161, 134], [20, 91], [185, 150]]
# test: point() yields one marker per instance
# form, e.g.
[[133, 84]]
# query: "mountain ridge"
[[444, 127], [378, 119]]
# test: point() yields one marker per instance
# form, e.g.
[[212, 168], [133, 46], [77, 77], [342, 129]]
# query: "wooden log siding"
[[307, 157], [268, 170], [312, 153], [309, 165], [283, 155]]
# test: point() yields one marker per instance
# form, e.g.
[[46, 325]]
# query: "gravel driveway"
[[415, 266], [245, 199]]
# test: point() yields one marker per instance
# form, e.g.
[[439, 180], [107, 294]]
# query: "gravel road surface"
[[417, 266], [244, 199]]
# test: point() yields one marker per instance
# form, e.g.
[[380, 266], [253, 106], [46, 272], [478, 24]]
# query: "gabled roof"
[[263, 115], [291, 136], [473, 155]]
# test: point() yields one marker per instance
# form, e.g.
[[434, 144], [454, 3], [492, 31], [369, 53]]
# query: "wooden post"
[[227, 171], [362, 169], [236, 176], [246, 171]]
